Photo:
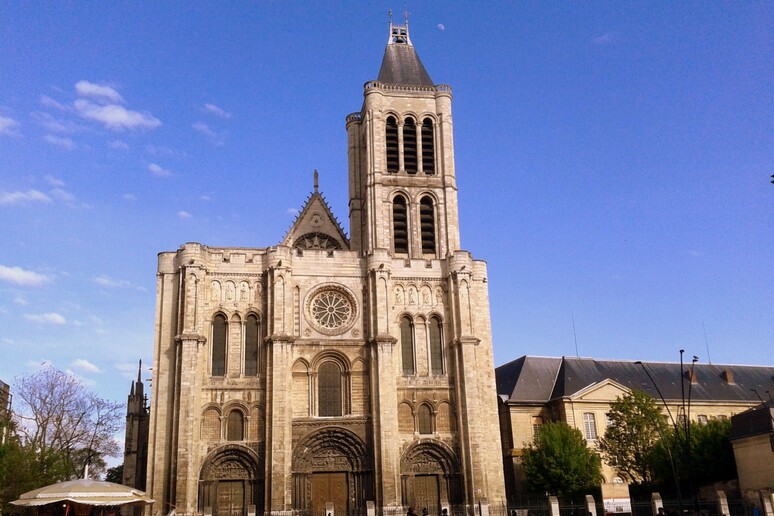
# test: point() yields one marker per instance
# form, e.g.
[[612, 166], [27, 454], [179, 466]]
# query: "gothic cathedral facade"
[[333, 375]]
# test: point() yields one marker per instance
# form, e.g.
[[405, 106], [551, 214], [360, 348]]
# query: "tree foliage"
[[559, 462], [65, 424], [710, 457], [115, 474], [636, 426], [21, 469]]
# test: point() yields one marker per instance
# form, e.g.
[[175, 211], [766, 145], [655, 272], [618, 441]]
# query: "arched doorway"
[[330, 465], [230, 481], [430, 476]]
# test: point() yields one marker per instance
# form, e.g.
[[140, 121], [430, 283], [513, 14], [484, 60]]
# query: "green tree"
[[636, 426], [709, 459], [21, 469], [559, 462], [65, 424], [115, 474]]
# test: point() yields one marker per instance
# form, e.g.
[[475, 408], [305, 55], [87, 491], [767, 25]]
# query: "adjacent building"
[[534, 390], [326, 372], [136, 435], [753, 440]]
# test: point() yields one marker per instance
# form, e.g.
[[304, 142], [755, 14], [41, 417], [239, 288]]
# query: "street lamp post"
[[667, 447]]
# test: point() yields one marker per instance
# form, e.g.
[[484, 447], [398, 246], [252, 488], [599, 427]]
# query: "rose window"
[[331, 309]]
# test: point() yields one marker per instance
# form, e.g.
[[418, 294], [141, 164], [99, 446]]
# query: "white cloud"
[[158, 171], [204, 129], [65, 143], [53, 181], [84, 365], [8, 126], [215, 110], [604, 39], [182, 214], [115, 117], [19, 276], [6, 340], [88, 382], [56, 125], [292, 211], [49, 102], [89, 89], [129, 197], [23, 197], [106, 281], [49, 318], [62, 195], [205, 198], [20, 300], [118, 144]]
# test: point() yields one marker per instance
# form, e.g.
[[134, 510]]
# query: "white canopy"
[[84, 491]]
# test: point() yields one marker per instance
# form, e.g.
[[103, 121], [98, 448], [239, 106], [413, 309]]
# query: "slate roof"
[[401, 63], [541, 379]]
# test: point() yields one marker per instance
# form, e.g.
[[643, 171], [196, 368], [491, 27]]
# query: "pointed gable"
[[316, 227]]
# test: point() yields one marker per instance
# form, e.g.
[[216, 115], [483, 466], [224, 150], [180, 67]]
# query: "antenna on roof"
[[574, 335], [706, 342]]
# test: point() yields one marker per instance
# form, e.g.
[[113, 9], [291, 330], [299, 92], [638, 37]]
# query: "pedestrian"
[[424, 511], [411, 512]]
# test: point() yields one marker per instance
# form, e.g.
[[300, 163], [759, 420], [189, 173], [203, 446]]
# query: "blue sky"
[[613, 163]]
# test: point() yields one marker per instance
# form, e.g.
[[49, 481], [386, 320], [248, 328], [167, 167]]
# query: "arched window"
[[425, 416], [329, 390], [252, 338], [410, 145], [427, 225], [235, 427], [400, 224], [428, 147], [391, 139], [407, 345], [436, 346], [219, 345]]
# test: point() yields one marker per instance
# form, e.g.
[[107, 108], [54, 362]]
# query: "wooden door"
[[329, 488], [231, 498], [426, 494]]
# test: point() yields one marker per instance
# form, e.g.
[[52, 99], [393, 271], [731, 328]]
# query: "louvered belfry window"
[[219, 346], [235, 429], [252, 337], [428, 147], [329, 390], [393, 163], [410, 145], [407, 345], [427, 225], [400, 224], [436, 346], [425, 420]]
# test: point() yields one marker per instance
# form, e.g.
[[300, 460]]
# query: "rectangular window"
[[589, 426], [702, 419], [537, 422]]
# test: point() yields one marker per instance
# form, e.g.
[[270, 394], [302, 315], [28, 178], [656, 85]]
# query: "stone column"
[[279, 436], [185, 468]]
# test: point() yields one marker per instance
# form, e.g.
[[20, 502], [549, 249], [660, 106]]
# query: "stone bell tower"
[[403, 192], [428, 309]]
